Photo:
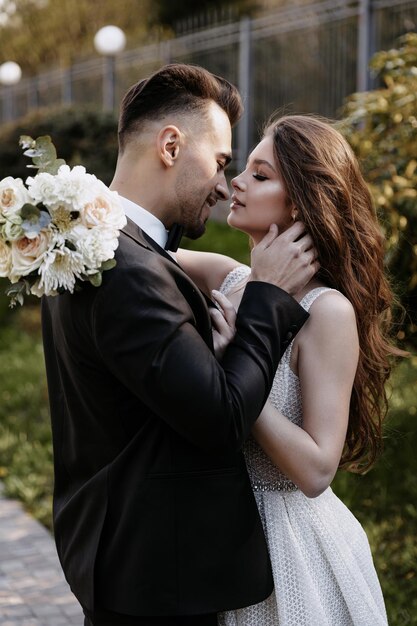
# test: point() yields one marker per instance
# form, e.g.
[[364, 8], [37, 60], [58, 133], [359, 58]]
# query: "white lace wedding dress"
[[321, 561]]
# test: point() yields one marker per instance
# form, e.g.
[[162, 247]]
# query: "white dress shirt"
[[150, 224]]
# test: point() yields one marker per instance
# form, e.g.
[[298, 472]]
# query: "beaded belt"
[[278, 485]]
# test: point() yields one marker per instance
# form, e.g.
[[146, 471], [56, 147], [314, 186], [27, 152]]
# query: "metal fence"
[[297, 58]]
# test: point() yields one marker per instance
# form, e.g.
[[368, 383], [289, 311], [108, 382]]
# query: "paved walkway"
[[33, 591]]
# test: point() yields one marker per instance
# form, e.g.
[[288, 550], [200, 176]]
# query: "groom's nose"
[[222, 191]]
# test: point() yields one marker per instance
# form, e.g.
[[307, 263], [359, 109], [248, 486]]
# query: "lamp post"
[[109, 41], [10, 74]]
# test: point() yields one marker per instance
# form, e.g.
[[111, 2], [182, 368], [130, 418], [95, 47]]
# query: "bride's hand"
[[223, 321]]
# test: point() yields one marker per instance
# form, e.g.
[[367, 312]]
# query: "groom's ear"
[[168, 144]]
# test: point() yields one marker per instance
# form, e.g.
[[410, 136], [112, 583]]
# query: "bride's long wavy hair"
[[324, 183]]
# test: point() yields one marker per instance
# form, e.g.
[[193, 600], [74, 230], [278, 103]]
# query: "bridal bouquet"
[[59, 229]]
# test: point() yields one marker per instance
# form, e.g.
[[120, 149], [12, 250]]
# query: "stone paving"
[[33, 591]]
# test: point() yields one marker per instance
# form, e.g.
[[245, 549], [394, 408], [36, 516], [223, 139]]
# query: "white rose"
[[44, 188], [104, 210], [13, 195], [97, 247], [5, 259], [28, 254], [76, 186]]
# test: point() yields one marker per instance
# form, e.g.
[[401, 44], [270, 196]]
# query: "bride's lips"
[[235, 202]]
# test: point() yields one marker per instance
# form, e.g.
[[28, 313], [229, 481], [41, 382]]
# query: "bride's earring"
[[294, 215]]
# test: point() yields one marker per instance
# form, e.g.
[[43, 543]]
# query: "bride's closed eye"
[[260, 177]]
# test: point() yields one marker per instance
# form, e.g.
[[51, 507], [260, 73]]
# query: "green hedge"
[[82, 136]]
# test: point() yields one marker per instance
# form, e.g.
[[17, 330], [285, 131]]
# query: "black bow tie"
[[174, 238]]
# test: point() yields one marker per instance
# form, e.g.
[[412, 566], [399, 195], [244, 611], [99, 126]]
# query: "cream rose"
[[105, 210], [28, 254], [13, 195], [5, 259]]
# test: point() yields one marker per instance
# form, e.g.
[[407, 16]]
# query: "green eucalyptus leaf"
[[95, 279], [17, 292], [42, 152], [26, 142], [30, 212], [108, 265], [70, 245], [52, 168]]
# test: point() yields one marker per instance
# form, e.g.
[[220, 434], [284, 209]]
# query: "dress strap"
[[306, 303], [233, 278], [312, 295]]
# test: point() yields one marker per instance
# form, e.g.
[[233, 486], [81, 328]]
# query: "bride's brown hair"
[[324, 184]]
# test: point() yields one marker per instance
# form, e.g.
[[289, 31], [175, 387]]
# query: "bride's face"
[[259, 197]]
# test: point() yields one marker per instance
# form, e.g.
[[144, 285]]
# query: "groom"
[[155, 521]]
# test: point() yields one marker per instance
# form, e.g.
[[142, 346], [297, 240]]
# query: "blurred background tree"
[[174, 14], [44, 33], [381, 126], [41, 34]]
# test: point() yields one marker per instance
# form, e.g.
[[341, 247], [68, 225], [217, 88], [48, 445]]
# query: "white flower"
[[96, 246], [59, 271], [5, 259], [104, 210], [76, 187], [13, 195], [67, 240], [44, 188], [28, 254]]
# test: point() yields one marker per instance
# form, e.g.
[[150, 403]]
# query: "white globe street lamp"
[[10, 74], [109, 41]]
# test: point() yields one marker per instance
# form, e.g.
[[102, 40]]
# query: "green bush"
[[219, 237], [82, 136], [385, 500], [25, 433], [381, 126]]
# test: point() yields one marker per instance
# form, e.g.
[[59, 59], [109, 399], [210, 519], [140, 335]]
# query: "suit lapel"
[[196, 299]]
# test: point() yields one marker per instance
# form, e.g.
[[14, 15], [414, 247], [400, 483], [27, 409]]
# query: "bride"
[[328, 400]]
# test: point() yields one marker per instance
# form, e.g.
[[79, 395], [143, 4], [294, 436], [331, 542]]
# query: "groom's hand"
[[288, 261]]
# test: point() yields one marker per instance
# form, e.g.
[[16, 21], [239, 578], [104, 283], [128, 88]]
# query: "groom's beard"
[[195, 231], [192, 202]]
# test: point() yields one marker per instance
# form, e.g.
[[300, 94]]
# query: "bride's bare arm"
[[328, 351], [207, 269]]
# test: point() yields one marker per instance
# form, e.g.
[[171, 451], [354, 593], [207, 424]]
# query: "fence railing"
[[301, 58]]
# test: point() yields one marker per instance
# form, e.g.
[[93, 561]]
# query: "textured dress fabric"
[[322, 564]]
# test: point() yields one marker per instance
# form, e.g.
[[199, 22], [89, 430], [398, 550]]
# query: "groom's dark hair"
[[175, 88]]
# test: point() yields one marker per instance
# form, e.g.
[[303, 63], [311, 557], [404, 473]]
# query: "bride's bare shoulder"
[[207, 269]]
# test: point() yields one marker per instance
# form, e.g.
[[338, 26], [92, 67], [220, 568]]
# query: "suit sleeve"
[[144, 332]]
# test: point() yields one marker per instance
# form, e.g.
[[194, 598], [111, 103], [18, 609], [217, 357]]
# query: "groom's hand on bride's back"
[[287, 260]]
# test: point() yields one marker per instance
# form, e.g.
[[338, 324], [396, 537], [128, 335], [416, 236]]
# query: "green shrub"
[[25, 434], [82, 136], [381, 126], [385, 500]]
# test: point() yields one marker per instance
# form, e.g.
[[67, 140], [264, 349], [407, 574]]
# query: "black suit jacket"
[[153, 509]]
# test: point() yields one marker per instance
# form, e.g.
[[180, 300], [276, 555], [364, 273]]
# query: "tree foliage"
[[168, 13], [52, 33], [381, 126]]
